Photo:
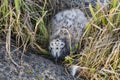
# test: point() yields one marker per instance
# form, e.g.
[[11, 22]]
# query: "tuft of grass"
[[24, 24], [99, 55], [26, 20]]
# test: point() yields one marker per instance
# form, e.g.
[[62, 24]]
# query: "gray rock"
[[2, 76], [79, 3], [35, 68]]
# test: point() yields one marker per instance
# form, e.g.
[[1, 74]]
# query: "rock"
[[79, 3], [2, 76], [35, 68]]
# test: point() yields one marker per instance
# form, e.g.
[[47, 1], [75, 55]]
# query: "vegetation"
[[99, 55], [22, 22], [25, 23]]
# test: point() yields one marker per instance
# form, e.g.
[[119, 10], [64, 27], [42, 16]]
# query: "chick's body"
[[66, 29]]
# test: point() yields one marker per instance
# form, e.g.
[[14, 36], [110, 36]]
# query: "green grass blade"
[[17, 5]]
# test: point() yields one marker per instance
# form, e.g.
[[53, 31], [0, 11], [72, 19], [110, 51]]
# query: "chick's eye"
[[57, 40], [62, 44]]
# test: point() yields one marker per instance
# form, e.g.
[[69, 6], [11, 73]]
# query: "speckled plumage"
[[66, 28]]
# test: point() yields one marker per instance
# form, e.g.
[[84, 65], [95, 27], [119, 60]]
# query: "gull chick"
[[65, 32]]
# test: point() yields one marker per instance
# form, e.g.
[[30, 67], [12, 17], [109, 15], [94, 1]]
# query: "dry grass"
[[25, 23], [22, 23], [99, 56]]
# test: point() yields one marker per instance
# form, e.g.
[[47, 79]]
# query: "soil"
[[30, 67]]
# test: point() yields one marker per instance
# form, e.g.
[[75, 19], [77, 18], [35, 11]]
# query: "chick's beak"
[[56, 58]]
